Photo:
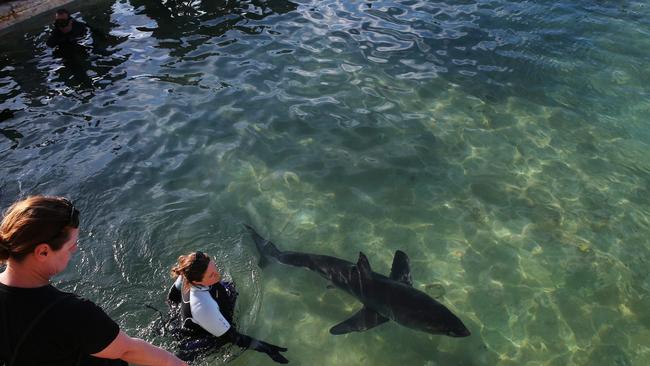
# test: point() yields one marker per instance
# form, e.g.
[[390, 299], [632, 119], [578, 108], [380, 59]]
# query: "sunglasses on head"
[[72, 221], [73, 218], [201, 260]]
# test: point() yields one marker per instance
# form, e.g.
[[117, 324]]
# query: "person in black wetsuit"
[[207, 306], [66, 31], [41, 325]]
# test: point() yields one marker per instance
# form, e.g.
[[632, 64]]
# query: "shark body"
[[384, 298]]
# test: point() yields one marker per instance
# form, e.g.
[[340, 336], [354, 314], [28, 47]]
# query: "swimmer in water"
[[206, 309], [66, 30]]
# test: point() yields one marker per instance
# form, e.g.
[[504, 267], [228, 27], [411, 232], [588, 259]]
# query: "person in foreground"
[[206, 308], [41, 325]]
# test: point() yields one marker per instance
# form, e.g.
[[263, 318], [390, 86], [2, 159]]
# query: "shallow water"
[[502, 145]]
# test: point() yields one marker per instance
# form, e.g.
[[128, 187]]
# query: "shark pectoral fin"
[[364, 319], [401, 270], [363, 266]]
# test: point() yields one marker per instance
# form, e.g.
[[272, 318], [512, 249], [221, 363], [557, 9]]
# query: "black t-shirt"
[[66, 335]]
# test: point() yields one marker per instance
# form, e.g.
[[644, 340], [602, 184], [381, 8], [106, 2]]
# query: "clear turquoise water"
[[502, 145]]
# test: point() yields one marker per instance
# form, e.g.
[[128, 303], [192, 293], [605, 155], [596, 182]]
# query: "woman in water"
[[41, 325], [206, 308]]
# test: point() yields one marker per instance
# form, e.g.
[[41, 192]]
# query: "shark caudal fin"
[[264, 247]]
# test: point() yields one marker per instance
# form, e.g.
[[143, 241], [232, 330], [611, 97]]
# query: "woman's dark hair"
[[192, 267], [33, 221]]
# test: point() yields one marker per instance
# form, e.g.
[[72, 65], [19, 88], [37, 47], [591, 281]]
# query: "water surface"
[[501, 144]]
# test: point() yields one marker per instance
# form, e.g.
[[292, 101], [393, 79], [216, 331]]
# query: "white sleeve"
[[179, 282], [205, 312]]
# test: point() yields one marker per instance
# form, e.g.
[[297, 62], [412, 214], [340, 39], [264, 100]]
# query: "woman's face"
[[59, 258], [211, 275]]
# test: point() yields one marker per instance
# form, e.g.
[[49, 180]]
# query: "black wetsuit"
[[223, 293], [58, 38], [195, 340]]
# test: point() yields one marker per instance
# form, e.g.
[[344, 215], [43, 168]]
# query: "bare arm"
[[139, 352]]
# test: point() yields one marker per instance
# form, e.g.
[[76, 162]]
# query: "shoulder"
[[44, 294], [201, 296], [79, 303], [199, 292], [89, 323], [79, 28], [82, 309], [79, 24]]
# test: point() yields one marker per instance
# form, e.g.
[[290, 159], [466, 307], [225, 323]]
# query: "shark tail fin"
[[264, 247]]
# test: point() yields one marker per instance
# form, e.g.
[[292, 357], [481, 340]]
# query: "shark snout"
[[463, 332]]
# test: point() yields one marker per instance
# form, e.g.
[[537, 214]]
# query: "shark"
[[383, 298]]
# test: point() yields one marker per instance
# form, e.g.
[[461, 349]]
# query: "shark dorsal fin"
[[363, 266], [401, 270]]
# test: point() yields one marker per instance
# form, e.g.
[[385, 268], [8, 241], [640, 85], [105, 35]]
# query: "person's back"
[[79, 329]]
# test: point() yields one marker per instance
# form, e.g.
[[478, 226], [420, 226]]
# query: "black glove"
[[244, 341], [271, 350]]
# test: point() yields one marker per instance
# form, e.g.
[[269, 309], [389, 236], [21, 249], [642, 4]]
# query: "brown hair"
[[192, 267], [33, 221]]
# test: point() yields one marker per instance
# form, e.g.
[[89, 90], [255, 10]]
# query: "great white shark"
[[384, 298]]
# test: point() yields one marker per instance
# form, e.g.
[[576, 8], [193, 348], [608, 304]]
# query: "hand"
[[272, 351]]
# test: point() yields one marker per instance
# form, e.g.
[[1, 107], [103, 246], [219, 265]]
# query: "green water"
[[502, 145]]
